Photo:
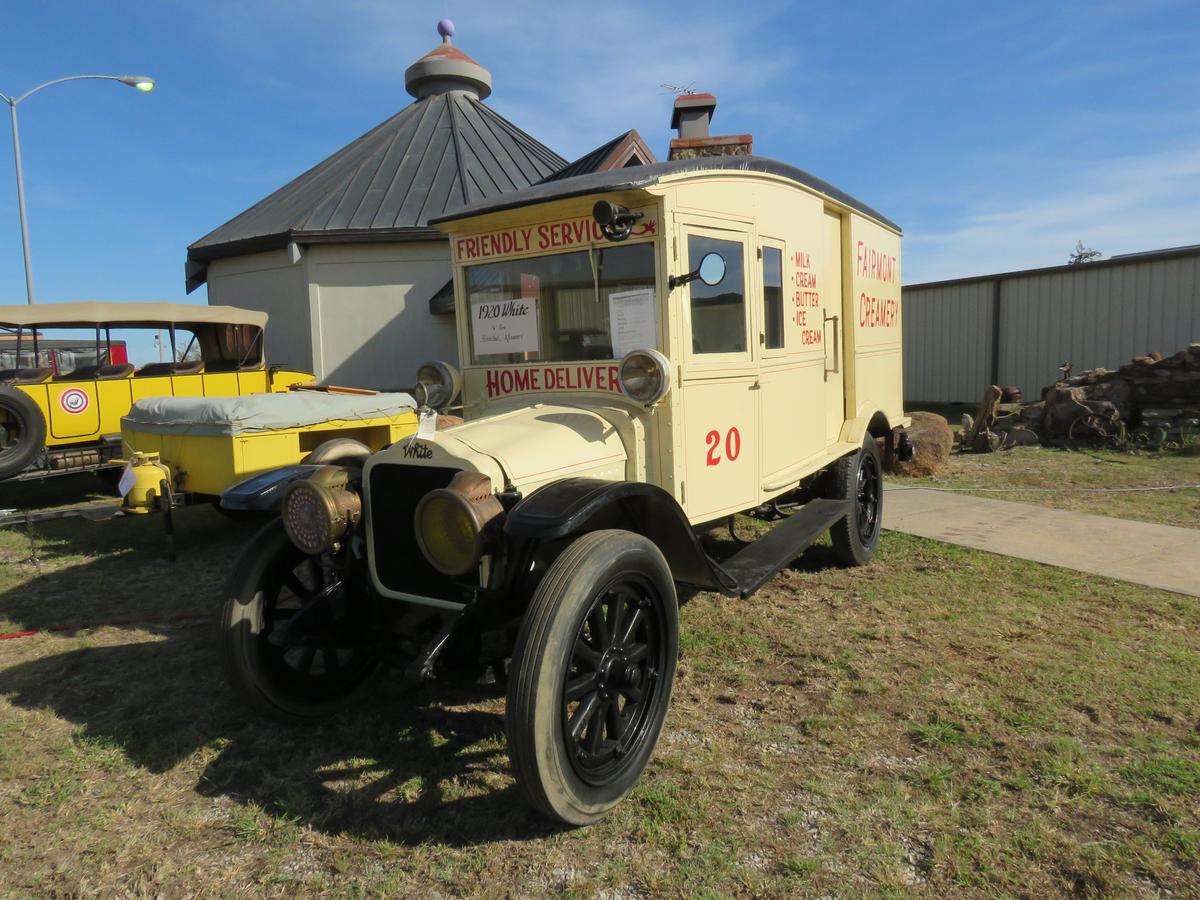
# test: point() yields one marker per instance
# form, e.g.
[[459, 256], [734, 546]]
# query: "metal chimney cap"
[[692, 103], [445, 68]]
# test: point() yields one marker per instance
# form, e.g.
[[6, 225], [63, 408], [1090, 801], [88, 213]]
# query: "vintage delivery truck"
[[646, 352]]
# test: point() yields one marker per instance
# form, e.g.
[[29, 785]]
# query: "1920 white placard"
[[504, 326], [631, 321]]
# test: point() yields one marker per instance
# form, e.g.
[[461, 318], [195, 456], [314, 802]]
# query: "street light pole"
[[16, 136], [141, 82]]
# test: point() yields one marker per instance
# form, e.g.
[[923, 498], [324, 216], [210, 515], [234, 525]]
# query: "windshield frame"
[[651, 278]]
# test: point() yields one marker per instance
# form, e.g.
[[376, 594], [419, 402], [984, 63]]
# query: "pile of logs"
[[1153, 401]]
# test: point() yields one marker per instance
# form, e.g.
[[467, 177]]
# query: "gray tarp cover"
[[225, 416]]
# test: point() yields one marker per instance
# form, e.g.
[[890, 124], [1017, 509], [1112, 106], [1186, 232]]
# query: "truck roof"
[[638, 177]]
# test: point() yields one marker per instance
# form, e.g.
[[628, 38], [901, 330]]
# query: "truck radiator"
[[393, 495]]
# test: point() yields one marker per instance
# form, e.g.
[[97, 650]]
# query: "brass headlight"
[[645, 376], [452, 523], [318, 511]]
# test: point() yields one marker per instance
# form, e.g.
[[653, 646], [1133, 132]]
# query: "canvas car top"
[[88, 313], [638, 177], [226, 416]]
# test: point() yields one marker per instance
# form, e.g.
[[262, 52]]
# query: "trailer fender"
[[578, 505]]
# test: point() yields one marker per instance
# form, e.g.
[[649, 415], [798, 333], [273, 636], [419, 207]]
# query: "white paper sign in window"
[[504, 326], [631, 320]]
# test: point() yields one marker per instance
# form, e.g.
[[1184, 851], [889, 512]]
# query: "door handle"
[[837, 355]]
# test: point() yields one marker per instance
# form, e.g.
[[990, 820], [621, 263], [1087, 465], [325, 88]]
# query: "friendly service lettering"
[[547, 236]]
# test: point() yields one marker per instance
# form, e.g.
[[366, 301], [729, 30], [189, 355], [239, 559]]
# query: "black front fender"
[[264, 492], [577, 505]]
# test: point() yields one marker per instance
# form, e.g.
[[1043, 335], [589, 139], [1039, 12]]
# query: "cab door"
[[833, 311], [719, 377]]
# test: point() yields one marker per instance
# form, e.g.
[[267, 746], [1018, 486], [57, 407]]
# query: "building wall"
[[370, 307], [957, 340], [270, 282], [353, 314]]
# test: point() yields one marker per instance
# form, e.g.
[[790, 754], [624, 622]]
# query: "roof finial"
[[446, 29]]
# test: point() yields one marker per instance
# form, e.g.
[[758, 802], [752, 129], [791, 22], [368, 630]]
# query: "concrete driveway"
[[1159, 556]]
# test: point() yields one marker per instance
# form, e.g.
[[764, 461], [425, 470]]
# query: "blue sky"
[[996, 134]]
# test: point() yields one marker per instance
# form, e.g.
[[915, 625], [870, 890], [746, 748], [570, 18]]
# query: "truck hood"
[[531, 446]]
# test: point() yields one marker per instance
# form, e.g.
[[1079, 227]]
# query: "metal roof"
[[1120, 259], [92, 313], [595, 160], [639, 177], [433, 156]]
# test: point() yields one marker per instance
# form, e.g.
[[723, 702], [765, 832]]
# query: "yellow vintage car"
[[55, 421]]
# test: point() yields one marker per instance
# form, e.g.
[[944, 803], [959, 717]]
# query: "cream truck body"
[[736, 429]]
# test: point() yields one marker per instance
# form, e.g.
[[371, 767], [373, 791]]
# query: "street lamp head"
[[143, 83]]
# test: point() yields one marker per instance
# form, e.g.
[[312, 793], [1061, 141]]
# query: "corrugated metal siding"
[[1088, 315], [947, 341]]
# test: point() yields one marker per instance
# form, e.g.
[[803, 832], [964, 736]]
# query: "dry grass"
[[943, 721]]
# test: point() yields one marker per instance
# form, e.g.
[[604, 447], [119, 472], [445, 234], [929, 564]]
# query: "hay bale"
[[932, 439]]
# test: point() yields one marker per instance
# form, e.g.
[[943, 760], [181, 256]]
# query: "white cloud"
[[573, 74], [1123, 205]]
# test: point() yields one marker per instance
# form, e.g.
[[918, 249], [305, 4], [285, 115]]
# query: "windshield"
[[567, 307]]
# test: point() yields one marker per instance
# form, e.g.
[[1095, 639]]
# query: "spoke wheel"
[[592, 674], [292, 642], [868, 501], [858, 480], [609, 689]]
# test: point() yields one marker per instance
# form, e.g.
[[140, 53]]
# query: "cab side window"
[[772, 258], [719, 310]]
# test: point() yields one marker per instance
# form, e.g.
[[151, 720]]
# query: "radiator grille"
[[399, 563]]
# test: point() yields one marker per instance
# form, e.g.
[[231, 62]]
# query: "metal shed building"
[[1017, 328]]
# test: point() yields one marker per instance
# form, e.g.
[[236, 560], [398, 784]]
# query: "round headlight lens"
[[645, 375], [310, 517], [440, 383], [447, 532]]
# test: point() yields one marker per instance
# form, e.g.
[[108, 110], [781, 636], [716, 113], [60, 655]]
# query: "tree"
[[1082, 254]]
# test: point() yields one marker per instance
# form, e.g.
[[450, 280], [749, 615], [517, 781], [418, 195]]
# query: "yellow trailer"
[[202, 446]]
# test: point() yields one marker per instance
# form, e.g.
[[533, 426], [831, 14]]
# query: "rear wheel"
[[591, 675], [858, 480], [293, 643], [22, 431]]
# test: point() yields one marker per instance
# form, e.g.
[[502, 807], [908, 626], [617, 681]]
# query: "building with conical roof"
[[343, 258]]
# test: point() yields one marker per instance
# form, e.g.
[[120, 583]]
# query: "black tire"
[[858, 480], [338, 451], [605, 620], [22, 431], [285, 682]]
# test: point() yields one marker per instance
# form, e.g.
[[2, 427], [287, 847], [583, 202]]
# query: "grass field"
[[943, 721]]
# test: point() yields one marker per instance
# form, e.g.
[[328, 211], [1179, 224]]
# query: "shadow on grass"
[[92, 573], [405, 768]]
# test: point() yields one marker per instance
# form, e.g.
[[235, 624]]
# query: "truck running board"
[[757, 562]]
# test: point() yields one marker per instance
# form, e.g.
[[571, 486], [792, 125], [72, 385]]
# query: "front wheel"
[[293, 643], [591, 675], [858, 480]]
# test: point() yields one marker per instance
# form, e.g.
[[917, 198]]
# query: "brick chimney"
[[692, 116]]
